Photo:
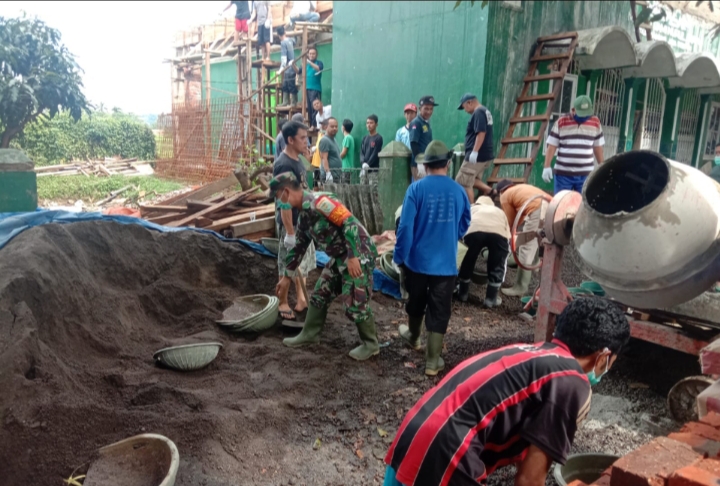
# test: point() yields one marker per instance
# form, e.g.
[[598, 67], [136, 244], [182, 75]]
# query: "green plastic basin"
[[584, 467], [593, 287]]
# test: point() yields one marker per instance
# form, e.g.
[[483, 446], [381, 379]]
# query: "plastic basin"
[[142, 460], [188, 357], [593, 287], [387, 267], [271, 244], [584, 467], [579, 291], [262, 310]]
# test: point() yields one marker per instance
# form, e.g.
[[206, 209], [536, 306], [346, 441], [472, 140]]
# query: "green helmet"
[[436, 151]]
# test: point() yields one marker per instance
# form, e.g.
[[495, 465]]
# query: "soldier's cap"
[[428, 100], [466, 97], [436, 151], [583, 106], [278, 182], [503, 184]]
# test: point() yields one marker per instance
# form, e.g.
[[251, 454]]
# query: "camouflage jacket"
[[324, 219]]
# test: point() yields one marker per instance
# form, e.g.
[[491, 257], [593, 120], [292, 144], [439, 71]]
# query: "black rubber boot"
[[491, 297], [463, 290]]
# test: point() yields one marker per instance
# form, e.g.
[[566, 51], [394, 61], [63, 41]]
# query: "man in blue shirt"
[[435, 215]]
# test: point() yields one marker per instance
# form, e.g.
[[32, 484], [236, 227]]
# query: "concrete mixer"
[[646, 229]]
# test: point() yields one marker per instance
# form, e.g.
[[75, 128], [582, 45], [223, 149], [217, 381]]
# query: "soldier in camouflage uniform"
[[326, 221]]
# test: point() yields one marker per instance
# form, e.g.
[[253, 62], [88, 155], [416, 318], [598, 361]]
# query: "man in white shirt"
[[303, 11], [323, 112]]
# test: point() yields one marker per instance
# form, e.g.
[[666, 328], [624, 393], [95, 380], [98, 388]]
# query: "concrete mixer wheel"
[[682, 398]]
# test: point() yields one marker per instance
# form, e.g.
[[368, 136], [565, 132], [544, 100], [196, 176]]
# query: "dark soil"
[[84, 306]]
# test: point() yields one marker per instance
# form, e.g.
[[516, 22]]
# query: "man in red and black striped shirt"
[[517, 404]]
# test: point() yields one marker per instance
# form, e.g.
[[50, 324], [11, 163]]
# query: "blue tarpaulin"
[[386, 285], [12, 224]]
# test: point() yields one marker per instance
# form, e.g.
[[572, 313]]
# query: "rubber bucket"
[[587, 468]]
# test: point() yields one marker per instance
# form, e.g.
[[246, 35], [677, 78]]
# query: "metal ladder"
[[568, 42]]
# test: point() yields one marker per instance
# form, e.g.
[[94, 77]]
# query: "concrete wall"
[[511, 37], [387, 54]]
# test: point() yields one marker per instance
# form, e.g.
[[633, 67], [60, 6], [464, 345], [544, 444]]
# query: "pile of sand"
[[83, 307]]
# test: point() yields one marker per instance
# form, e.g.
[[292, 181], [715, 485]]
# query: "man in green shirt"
[[348, 151], [313, 73]]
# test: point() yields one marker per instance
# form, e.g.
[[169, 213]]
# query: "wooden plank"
[[562, 35], [527, 160], [242, 229], [162, 209], [208, 190], [240, 218], [531, 139], [540, 97], [194, 205], [550, 57], [213, 208], [165, 218], [518, 180], [104, 170], [256, 237], [542, 77]]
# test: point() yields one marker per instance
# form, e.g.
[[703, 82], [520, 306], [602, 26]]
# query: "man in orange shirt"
[[512, 199]]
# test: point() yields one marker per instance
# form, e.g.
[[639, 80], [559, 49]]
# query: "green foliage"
[[97, 135], [72, 188], [37, 75]]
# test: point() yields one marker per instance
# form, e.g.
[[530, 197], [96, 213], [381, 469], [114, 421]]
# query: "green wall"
[[392, 53], [511, 37]]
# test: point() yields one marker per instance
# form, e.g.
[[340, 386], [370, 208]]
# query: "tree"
[[37, 75], [658, 11]]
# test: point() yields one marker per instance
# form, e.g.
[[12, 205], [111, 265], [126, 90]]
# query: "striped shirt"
[[575, 142], [488, 411]]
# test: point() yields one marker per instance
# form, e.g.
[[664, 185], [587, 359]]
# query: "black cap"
[[466, 97], [428, 100], [503, 184]]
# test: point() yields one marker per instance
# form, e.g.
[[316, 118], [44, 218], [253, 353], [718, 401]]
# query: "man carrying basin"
[[327, 222], [520, 404]]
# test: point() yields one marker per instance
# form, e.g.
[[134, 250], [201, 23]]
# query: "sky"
[[121, 45]]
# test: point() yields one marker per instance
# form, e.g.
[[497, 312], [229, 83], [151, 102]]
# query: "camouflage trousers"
[[355, 293]]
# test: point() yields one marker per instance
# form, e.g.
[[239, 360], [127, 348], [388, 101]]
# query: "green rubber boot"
[[310, 333], [410, 334], [521, 284], [368, 335], [433, 362]]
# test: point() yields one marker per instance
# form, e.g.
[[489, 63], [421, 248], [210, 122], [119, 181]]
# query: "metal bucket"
[[647, 230]]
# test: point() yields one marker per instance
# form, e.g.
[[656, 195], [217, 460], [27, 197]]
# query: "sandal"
[[287, 315]]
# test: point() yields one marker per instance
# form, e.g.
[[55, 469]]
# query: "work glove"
[[328, 177], [289, 241], [268, 23], [547, 174], [364, 168], [473, 157], [421, 170]]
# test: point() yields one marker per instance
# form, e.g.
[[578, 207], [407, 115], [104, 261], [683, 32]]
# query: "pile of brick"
[[690, 457]]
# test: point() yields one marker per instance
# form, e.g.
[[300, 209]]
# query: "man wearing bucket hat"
[[576, 138], [435, 215], [327, 222], [520, 404]]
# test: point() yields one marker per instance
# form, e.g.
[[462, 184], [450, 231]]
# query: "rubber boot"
[[310, 334], [293, 99], [433, 362], [285, 97], [410, 334], [368, 335], [491, 297], [463, 290], [521, 284]]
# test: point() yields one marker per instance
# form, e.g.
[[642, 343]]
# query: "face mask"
[[592, 377], [716, 161], [580, 119]]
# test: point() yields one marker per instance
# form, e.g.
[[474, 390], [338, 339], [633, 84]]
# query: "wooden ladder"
[[570, 42]]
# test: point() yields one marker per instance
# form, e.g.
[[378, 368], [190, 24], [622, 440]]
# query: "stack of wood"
[[236, 215], [89, 168]]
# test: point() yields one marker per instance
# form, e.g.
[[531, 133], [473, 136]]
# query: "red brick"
[[692, 476], [712, 419], [710, 465], [652, 463], [702, 430], [701, 445], [603, 481]]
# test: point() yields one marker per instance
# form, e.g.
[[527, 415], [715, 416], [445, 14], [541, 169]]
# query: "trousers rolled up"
[[498, 250], [528, 251], [430, 296]]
